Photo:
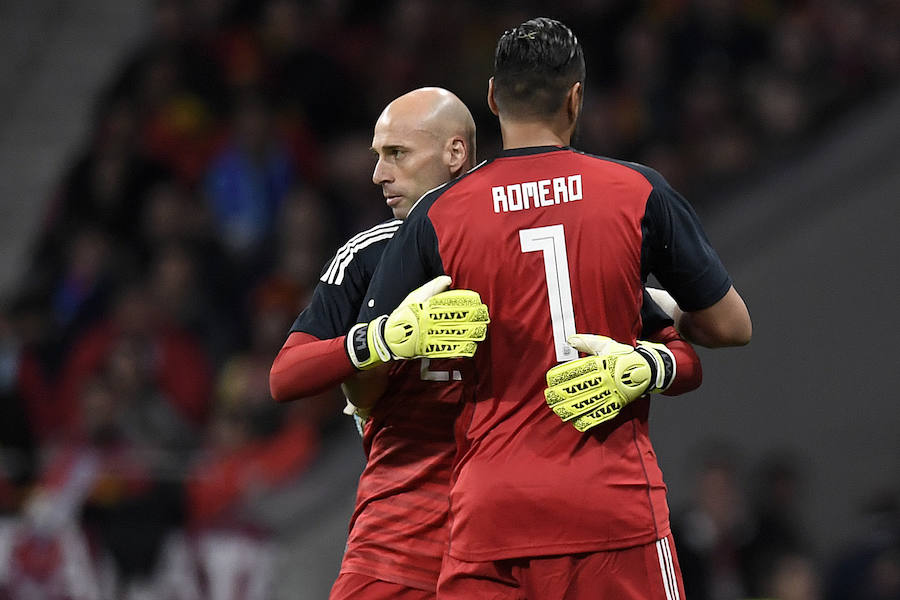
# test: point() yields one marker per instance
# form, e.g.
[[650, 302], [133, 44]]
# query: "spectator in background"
[[177, 91], [18, 442], [730, 549], [869, 568], [176, 219], [186, 296], [81, 289], [146, 416], [348, 164], [250, 50], [114, 478], [247, 182], [777, 541], [711, 531], [244, 379], [304, 232], [102, 192], [174, 360], [302, 69], [790, 576], [117, 473], [181, 128], [252, 442], [28, 358], [171, 214], [253, 447]]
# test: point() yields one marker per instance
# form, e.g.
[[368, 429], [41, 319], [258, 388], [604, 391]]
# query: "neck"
[[522, 134]]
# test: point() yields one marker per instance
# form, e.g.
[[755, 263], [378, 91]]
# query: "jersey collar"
[[530, 150]]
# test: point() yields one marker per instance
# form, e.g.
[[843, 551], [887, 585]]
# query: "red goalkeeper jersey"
[[556, 242], [398, 531]]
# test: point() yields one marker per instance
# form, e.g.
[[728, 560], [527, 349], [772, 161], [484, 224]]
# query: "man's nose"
[[381, 174]]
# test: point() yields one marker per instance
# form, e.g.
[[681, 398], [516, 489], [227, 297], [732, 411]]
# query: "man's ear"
[[574, 98], [492, 104], [457, 154]]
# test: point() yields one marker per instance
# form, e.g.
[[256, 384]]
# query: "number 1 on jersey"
[[551, 241]]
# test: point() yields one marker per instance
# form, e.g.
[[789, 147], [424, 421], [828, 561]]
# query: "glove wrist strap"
[[365, 344], [662, 366]]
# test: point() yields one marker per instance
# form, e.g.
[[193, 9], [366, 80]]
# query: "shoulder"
[[367, 236], [648, 174], [420, 209], [365, 246]]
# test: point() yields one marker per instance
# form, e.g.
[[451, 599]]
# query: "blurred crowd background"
[[141, 455]]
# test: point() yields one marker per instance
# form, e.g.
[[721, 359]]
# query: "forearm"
[[725, 323], [364, 388], [688, 369], [307, 366]]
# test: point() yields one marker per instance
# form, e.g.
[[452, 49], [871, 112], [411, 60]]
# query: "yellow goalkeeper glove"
[[430, 322], [591, 390]]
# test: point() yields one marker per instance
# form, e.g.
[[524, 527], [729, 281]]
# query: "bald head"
[[433, 110], [423, 139]]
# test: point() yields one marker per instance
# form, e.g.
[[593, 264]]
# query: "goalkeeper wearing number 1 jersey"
[[558, 243]]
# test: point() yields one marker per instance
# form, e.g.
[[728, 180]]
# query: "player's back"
[[552, 240]]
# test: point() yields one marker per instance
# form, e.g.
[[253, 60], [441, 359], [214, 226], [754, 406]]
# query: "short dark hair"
[[535, 64]]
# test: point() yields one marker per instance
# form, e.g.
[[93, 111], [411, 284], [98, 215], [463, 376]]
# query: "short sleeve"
[[677, 251]]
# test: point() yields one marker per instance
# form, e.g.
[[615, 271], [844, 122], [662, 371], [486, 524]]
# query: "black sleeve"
[[410, 260], [677, 251], [341, 288], [653, 319], [332, 311]]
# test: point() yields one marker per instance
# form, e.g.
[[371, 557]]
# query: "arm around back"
[[725, 323], [307, 366]]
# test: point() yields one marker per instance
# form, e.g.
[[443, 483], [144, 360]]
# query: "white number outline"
[[551, 242], [425, 374]]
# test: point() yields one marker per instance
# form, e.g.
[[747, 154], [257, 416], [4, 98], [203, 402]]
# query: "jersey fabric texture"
[[556, 242], [398, 531], [399, 528]]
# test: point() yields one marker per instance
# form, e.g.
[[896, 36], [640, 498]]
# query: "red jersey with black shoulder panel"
[[556, 242]]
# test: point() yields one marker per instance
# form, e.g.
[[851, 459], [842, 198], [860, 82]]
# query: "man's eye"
[[397, 153]]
